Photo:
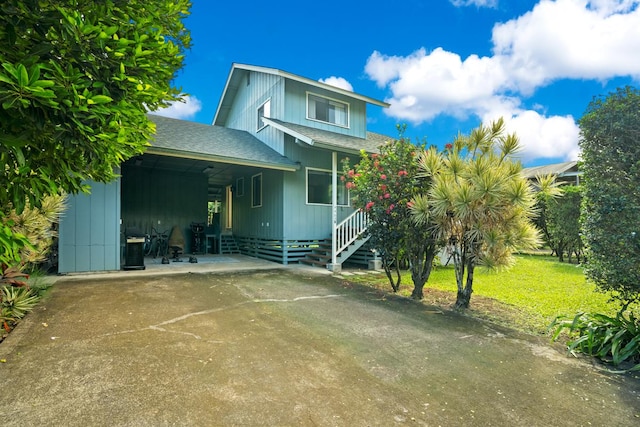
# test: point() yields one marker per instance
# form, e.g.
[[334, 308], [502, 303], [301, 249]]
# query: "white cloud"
[[181, 110], [570, 39], [562, 39], [478, 3], [338, 82]]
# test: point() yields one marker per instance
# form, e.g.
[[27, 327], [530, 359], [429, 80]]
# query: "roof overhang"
[[220, 159], [297, 135]]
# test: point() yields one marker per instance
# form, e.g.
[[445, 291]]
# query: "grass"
[[526, 297]]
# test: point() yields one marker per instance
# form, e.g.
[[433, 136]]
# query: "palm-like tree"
[[480, 203]]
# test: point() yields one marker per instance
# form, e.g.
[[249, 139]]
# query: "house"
[[566, 172], [270, 161]]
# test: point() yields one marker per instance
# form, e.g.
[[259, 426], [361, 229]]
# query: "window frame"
[[266, 103], [306, 188], [257, 177], [314, 119], [239, 187]]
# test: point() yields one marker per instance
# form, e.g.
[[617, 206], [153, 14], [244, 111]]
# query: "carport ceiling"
[[220, 174]]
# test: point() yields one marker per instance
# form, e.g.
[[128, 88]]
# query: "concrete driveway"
[[285, 347]]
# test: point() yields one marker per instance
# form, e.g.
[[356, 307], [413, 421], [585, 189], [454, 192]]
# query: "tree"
[[610, 143], [563, 223], [383, 185], [76, 81], [480, 202]]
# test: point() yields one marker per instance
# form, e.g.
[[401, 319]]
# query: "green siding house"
[[270, 161]]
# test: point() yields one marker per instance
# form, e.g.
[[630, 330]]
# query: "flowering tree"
[[480, 202], [383, 185]]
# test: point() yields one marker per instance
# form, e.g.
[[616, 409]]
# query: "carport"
[[186, 166]]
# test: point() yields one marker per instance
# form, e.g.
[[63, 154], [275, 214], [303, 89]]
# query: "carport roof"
[[330, 140], [185, 139]]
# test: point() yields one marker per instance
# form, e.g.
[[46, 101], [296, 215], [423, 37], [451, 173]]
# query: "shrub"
[[613, 340]]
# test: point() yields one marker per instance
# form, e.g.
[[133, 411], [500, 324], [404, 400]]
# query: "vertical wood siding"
[[89, 234], [253, 92], [295, 110], [265, 221], [302, 221]]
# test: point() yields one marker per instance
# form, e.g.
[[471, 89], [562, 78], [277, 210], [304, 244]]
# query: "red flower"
[[383, 187], [383, 177], [350, 185], [387, 195], [448, 147], [369, 206], [351, 173], [402, 173], [409, 204]]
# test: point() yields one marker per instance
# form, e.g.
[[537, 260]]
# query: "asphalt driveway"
[[285, 348]]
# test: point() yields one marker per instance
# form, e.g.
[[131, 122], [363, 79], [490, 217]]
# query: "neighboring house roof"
[[238, 71], [180, 138], [330, 140], [557, 169]]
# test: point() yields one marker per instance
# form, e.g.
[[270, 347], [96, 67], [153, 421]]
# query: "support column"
[[334, 266]]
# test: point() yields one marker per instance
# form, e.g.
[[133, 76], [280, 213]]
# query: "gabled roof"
[[238, 71], [557, 169], [330, 140], [181, 138]]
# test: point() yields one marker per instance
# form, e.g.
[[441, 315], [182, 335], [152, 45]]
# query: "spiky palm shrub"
[[480, 203], [15, 303], [36, 224]]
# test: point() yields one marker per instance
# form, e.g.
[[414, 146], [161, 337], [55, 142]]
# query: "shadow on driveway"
[[289, 348]]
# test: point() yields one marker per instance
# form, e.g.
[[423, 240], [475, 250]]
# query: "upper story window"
[[327, 110], [264, 111]]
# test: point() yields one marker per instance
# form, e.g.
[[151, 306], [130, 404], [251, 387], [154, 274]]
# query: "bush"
[[613, 340]]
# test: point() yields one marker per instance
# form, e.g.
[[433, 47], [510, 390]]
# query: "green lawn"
[[527, 296]]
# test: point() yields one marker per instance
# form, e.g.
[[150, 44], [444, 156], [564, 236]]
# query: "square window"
[[327, 110], [319, 188], [256, 191]]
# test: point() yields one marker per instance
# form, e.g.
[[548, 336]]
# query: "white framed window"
[[327, 110], [256, 191], [239, 187], [264, 111], [319, 188]]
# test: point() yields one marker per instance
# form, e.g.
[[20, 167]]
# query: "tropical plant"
[[37, 224], [77, 78], [15, 303], [613, 340], [610, 143], [383, 185], [480, 203]]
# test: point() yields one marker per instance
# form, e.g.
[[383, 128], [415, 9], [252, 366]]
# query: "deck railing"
[[349, 230]]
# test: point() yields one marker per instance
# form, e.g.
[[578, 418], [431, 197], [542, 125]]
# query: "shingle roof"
[[332, 140], [557, 169], [199, 141]]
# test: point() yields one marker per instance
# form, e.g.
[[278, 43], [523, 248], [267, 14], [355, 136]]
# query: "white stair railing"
[[349, 230]]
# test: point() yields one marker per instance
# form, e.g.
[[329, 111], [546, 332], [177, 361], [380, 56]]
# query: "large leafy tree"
[[76, 80], [480, 202], [610, 142], [383, 185]]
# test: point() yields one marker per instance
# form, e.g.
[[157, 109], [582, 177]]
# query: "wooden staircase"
[[319, 256], [348, 235], [228, 244]]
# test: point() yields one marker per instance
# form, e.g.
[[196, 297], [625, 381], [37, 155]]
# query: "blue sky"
[[445, 66]]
